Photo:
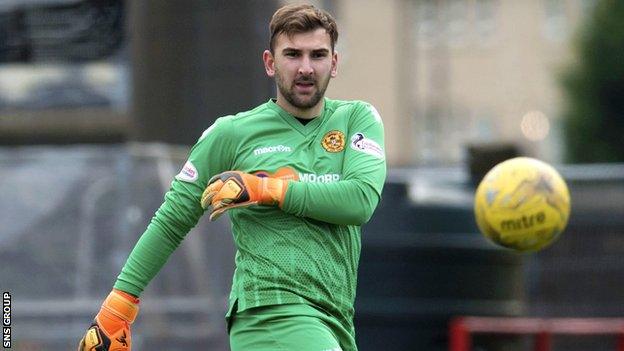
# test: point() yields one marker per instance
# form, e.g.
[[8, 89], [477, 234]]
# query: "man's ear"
[[334, 68], [269, 63]]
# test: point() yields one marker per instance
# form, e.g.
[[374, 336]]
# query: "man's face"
[[302, 66]]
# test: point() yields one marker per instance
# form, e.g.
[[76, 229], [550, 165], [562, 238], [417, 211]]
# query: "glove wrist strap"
[[273, 191], [122, 305]]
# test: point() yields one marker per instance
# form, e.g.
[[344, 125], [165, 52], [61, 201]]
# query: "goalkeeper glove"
[[110, 330], [237, 189]]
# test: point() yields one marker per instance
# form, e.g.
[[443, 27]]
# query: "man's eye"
[[319, 55], [291, 54]]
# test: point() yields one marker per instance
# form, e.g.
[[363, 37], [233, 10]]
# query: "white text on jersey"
[[319, 178], [268, 149]]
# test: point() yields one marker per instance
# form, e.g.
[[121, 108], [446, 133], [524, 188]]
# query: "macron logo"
[[269, 149]]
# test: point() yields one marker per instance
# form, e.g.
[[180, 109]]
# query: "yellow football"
[[522, 204]]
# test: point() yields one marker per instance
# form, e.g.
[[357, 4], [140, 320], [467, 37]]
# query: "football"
[[522, 204]]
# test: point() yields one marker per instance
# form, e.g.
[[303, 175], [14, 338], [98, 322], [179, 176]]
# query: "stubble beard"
[[298, 101]]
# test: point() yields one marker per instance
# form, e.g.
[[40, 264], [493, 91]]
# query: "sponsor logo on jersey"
[[284, 173], [269, 149], [368, 146], [289, 173], [333, 141], [188, 173], [319, 178]]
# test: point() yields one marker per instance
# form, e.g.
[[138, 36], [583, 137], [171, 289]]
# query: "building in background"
[[64, 72], [447, 73], [85, 71], [443, 73]]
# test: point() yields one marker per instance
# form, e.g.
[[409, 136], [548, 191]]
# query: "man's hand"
[[110, 330], [236, 189]]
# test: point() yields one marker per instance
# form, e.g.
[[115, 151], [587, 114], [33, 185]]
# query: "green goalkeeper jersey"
[[305, 252]]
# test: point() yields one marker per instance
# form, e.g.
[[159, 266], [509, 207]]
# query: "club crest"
[[333, 141]]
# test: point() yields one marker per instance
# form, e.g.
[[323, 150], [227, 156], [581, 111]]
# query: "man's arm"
[[352, 200], [347, 202], [180, 211], [173, 220]]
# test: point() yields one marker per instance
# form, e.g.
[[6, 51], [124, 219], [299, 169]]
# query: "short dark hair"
[[294, 19]]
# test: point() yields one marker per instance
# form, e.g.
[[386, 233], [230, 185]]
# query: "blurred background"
[[100, 101]]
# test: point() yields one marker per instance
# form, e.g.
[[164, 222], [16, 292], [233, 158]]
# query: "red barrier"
[[462, 328]]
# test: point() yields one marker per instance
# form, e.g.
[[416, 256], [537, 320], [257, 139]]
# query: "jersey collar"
[[292, 120]]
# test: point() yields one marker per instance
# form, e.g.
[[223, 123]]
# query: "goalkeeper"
[[298, 176]]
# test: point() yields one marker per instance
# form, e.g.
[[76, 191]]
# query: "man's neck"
[[307, 113]]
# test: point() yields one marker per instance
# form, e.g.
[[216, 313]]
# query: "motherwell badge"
[[333, 141]]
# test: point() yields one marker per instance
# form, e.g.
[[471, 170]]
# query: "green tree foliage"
[[594, 87]]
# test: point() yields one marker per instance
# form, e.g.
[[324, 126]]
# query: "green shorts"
[[291, 327]]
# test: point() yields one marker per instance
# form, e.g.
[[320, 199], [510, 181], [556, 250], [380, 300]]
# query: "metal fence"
[[69, 217]]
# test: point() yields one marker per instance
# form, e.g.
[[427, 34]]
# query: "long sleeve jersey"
[[308, 250]]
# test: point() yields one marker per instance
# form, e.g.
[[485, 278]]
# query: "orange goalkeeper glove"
[[110, 330], [237, 189]]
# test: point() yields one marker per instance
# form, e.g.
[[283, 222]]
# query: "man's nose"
[[306, 66]]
